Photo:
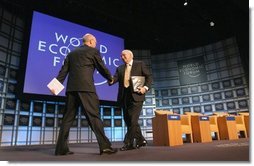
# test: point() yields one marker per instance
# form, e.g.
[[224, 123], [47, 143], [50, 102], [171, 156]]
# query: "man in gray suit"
[[80, 65], [129, 100]]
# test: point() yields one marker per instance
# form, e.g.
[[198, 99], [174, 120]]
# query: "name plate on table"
[[204, 118], [230, 118], [173, 117]]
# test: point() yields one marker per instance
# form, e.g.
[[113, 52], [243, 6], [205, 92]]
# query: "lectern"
[[167, 130], [201, 129], [227, 127]]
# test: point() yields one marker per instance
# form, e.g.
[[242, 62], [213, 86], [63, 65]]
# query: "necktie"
[[127, 75]]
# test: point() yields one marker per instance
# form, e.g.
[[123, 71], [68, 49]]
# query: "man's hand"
[[141, 90], [53, 91], [110, 82]]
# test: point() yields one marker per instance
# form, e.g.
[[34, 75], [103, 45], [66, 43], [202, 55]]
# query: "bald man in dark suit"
[[129, 100], [80, 65]]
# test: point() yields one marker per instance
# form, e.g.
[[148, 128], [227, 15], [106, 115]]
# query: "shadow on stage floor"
[[224, 150]]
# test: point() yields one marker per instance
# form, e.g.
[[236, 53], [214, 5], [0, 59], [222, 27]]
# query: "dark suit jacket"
[[80, 64], [138, 69]]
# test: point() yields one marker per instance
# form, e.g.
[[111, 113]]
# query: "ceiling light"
[[185, 3]]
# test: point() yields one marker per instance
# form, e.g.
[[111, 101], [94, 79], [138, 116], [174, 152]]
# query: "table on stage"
[[167, 130], [201, 129], [227, 127]]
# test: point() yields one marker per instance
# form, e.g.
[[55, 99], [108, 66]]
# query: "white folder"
[[55, 85]]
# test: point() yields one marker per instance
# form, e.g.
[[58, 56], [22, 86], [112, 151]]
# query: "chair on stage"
[[186, 127], [162, 112], [193, 113], [246, 120], [240, 126], [244, 113], [214, 126], [221, 114]]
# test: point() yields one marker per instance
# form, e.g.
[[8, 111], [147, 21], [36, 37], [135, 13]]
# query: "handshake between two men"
[[136, 83]]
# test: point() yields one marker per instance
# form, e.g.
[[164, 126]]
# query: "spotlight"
[[212, 23], [185, 3]]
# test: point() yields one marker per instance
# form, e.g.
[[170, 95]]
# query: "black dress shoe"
[[144, 143], [108, 151], [66, 153], [127, 147]]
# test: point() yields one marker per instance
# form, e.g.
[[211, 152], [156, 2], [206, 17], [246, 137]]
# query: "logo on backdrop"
[[192, 70], [64, 44]]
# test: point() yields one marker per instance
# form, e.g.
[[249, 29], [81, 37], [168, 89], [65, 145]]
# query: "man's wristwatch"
[[146, 88]]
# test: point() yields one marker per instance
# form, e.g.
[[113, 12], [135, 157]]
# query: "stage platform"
[[223, 150]]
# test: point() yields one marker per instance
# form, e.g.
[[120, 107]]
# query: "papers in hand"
[[137, 81], [55, 86]]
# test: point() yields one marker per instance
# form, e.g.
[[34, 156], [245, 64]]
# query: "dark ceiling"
[[158, 25]]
